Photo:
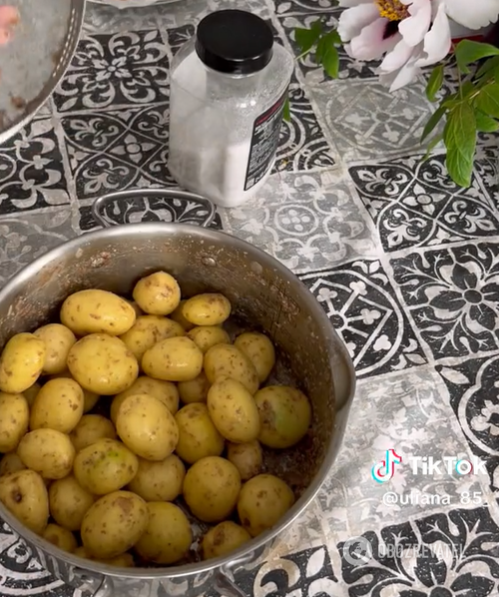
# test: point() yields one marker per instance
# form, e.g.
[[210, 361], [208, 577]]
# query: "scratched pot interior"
[[262, 298], [29, 60]]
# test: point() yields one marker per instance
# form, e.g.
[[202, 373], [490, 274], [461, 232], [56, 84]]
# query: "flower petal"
[[371, 43], [349, 3], [414, 28], [437, 42], [353, 20], [452, 301], [484, 315], [464, 277], [473, 15], [396, 59]]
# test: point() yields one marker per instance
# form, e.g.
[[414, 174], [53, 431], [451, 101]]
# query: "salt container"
[[229, 85]]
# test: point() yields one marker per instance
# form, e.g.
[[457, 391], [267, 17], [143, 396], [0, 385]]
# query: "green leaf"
[[324, 44], [431, 146], [331, 61], [468, 51], [489, 65], [432, 122], [307, 38], [460, 141], [286, 114], [487, 101], [467, 88], [484, 123], [435, 82]]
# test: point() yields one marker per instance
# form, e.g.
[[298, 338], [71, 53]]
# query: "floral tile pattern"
[[308, 221], [453, 544], [366, 121], [117, 149], [360, 303], [31, 170], [474, 395], [413, 203], [453, 297], [125, 68]]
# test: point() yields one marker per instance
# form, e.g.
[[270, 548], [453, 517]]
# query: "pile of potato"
[[120, 422]]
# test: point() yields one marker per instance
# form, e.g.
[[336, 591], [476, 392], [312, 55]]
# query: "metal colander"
[[33, 63]]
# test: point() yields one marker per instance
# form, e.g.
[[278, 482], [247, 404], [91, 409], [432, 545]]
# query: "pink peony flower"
[[409, 34]]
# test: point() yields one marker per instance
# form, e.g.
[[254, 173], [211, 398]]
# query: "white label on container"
[[264, 142]]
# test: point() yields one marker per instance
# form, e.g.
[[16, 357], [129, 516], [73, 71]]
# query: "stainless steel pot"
[[264, 293]]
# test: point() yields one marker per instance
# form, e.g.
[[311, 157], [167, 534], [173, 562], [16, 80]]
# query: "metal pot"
[[263, 292]]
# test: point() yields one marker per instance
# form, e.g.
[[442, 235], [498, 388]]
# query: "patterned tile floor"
[[405, 264]]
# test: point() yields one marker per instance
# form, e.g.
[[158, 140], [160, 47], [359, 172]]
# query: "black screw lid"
[[234, 42]]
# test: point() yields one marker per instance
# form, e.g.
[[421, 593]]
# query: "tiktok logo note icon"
[[383, 471]]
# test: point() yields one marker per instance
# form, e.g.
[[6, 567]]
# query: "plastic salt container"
[[228, 89]]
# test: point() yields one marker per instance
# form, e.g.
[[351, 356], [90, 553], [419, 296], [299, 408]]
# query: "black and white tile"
[[126, 68], [31, 170], [452, 296], [308, 221], [451, 554], [474, 394], [414, 204], [360, 302]]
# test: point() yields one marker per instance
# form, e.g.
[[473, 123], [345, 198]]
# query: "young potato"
[[225, 360], [90, 429], [14, 419], [178, 316], [69, 502], [168, 534], [147, 331], [60, 537], [90, 399], [259, 350], [157, 294], [24, 494], [48, 452], [105, 466], [102, 364], [211, 488], [147, 427], [247, 458], [223, 539], [285, 415], [159, 481], [263, 500], [136, 308], [198, 436], [206, 309], [58, 405], [10, 463], [21, 363], [165, 391], [97, 312], [58, 340], [195, 390], [124, 560], [233, 411], [173, 359], [31, 393], [114, 524], [207, 336]]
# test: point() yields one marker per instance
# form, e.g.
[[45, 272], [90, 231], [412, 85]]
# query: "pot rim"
[[244, 553]]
